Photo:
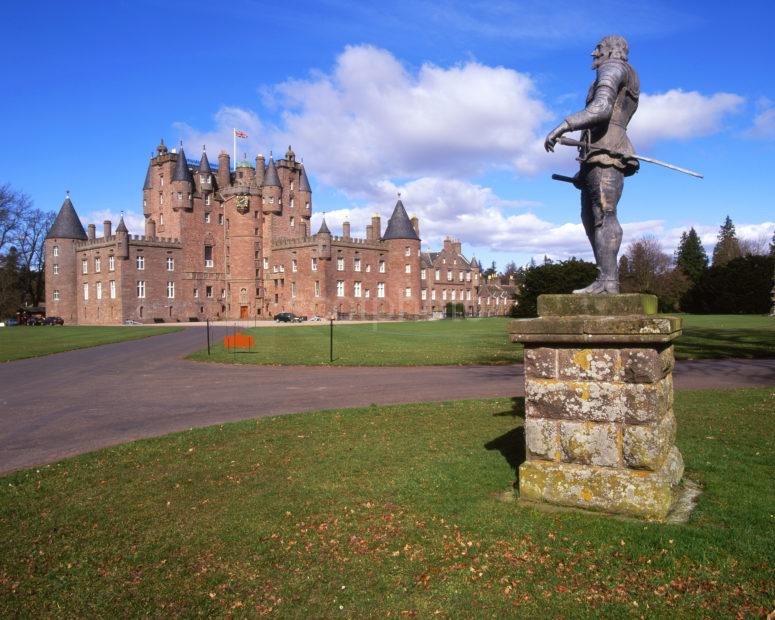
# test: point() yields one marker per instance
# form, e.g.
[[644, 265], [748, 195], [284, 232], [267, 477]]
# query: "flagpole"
[[234, 137]]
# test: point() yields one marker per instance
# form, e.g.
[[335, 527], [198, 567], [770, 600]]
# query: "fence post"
[[208, 337]]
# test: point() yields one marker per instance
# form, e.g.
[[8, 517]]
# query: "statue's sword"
[[592, 148]]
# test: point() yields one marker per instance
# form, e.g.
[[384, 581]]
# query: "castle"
[[223, 244]]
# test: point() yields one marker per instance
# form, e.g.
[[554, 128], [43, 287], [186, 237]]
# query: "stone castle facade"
[[223, 244]]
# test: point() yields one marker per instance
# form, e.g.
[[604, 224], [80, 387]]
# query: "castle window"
[[292, 201], [271, 200], [207, 199], [407, 268], [306, 206], [170, 290], [161, 198], [368, 268], [140, 262], [468, 295], [422, 274], [340, 264], [291, 190], [314, 264], [293, 222], [56, 250], [294, 266], [357, 289], [207, 218], [449, 275], [111, 263], [97, 264], [56, 294], [223, 293], [141, 289], [145, 203], [161, 180], [56, 269], [170, 263], [438, 274], [340, 288], [220, 219], [460, 275], [407, 251], [161, 219], [357, 264], [266, 263], [208, 256], [317, 288], [209, 292], [444, 295], [433, 294], [84, 266], [423, 294], [112, 289], [382, 266], [366, 293], [468, 276], [293, 289], [380, 290], [454, 262], [407, 292], [454, 295]]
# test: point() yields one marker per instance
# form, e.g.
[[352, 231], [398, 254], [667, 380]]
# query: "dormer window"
[[203, 178]]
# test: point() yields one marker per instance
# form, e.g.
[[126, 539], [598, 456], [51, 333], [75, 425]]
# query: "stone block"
[[589, 330], [574, 400], [616, 490], [608, 305], [541, 362], [589, 365], [588, 443], [646, 403], [647, 446], [541, 439], [646, 365]]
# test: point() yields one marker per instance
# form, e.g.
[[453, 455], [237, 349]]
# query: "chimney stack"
[[346, 230], [91, 232], [150, 228], [106, 229]]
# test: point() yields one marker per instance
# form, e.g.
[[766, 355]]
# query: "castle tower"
[[272, 190], [60, 261], [182, 184], [122, 240], [148, 189], [205, 174], [303, 198], [403, 290], [224, 170]]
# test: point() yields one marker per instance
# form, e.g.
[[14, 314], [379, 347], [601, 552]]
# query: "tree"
[[489, 272], [741, 286], [29, 239], [560, 277], [754, 247], [690, 256], [727, 246], [646, 268], [13, 206]]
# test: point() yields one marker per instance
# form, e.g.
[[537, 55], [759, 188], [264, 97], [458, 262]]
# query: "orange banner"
[[238, 341]]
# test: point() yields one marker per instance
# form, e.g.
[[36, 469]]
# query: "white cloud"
[[220, 138], [763, 127], [680, 115]]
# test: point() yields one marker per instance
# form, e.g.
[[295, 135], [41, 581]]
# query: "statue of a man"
[[605, 158]]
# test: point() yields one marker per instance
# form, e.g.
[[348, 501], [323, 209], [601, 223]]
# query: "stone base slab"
[[624, 491]]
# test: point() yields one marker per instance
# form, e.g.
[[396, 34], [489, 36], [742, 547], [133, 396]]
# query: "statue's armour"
[[615, 91]]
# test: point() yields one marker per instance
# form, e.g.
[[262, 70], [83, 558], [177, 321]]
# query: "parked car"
[[132, 322], [287, 317], [10, 322], [316, 318], [36, 320], [53, 320]]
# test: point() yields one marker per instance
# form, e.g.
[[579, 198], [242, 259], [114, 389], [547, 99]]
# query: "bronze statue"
[[605, 154]]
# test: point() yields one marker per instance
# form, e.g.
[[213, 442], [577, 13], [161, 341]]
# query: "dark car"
[[36, 320], [53, 320], [287, 317]]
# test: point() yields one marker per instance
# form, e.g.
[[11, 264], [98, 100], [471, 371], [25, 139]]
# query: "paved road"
[[65, 404]]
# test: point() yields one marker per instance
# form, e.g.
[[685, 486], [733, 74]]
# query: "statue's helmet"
[[612, 46]]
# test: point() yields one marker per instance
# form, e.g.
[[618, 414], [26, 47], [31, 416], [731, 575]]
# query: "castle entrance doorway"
[[243, 312]]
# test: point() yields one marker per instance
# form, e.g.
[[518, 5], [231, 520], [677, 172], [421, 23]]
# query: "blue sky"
[[446, 102]]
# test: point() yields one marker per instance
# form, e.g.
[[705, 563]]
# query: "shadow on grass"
[[698, 343], [511, 445]]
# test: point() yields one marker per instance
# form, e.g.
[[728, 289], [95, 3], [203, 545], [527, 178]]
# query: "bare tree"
[[13, 206], [29, 240], [760, 246]]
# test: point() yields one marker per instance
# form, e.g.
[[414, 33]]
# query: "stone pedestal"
[[599, 423]]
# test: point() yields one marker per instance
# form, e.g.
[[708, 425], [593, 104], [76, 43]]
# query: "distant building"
[[237, 245]]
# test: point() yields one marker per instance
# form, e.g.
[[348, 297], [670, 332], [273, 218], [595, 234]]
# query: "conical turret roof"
[[475, 263], [324, 228], [147, 184], [271, 178], [67, 225], [400, 226], [204, 164], [121, 228], [304, 181], [181, 172]]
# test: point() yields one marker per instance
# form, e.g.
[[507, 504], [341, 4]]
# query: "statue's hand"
[[554, 135]]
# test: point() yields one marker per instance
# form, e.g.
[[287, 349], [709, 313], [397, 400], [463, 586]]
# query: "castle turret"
[[122, 240], [182, 183], [244, 173], [148, 188], [272, 190], [205, 174], [323, 237], [150, 228], [304, 195], [403, 243], [60, 259], [224, 170]]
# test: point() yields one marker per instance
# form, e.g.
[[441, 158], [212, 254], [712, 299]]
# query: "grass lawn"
[[470, 341], [21, 342], [391, 512]]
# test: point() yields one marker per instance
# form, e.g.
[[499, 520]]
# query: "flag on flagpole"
[[240, 134]]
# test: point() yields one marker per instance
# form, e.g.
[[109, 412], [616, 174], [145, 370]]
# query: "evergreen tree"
[[560, 277], [772, 245], [691, 256], [727, 246]]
